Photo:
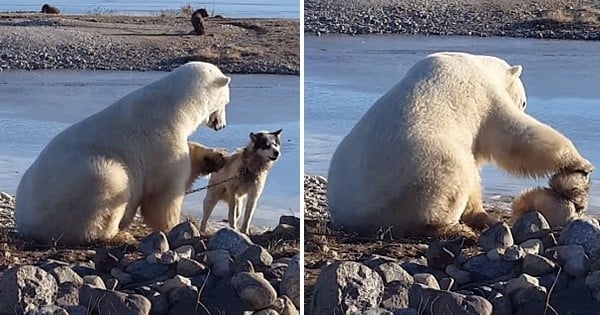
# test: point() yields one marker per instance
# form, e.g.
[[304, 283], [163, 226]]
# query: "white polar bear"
[[411, 164], [89, 181]]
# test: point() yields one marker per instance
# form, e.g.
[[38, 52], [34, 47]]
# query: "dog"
[[48, 9], [243, 177], [198, 21], [566, 198], [204, 161]]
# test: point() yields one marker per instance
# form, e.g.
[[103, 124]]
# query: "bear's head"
[[515, 87]]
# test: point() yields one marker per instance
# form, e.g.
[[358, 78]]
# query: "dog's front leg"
[[251, 203]]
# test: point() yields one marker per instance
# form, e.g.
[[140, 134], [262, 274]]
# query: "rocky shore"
[[561, 19], [181, 272], [523, 268], [30, 41]]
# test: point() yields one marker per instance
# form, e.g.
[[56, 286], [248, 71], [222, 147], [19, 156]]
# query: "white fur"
[[91, 178], [412, 161]]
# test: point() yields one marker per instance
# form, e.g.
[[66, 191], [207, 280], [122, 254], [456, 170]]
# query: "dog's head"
[[267, 144]]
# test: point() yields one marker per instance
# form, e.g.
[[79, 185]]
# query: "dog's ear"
[[253, 137], [276, 133]]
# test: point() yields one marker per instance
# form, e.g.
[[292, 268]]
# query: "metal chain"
[[215, 184]]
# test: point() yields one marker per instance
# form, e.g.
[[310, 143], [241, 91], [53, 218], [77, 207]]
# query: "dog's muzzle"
[[275, 156]]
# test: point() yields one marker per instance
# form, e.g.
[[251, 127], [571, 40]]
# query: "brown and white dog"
[[243, 177]]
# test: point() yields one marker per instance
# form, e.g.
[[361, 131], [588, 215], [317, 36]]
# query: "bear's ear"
[[222, 81], [515, 71]]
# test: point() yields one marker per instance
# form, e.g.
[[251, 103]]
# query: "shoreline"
[[560, 19], [34, 41]]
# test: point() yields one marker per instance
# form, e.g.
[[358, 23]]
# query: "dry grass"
[[227, 53]]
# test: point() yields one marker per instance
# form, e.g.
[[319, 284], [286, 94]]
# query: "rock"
[[254, 290], [284, 306], [576, 299], [77, 310], [447, 283], [496, 236], [104, 260], [257, 255], [175, 283], [184, 233], [185, 251], [495, 254], [527, 225], [67, 294], [141, 270], [435, 301], [267, 311], [480, 267], [220, 262], [555, 282], [159, 302], [122, 276], [290, 282], [94, 281], [167, 258], [24, 287], [375, 260], [154, 243], [501, 304], [395, 295], [573, 258], [182, 295], [460, 276], [85, 268], [231, 240], [372, 311], [514, 253], [537, 265], [289, 220], [189, 267], [427, 279], [524, 289], [406, 311], [111, 284], [584, 232], [592, 282], [344, 287], [442, 253], [391, 271], [48, 310], [64, 274], [532, 246], [99, 300]]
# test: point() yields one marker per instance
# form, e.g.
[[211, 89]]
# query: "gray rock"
[[289, 220], [154, 243], [395, 295], [406, 311], [427, 279], [141, 270], [345, 287], [24, 287], [284, 306], [220, 262], [64, 274], [189, 267], [167, 258], [584, 232], [112, 283], [159, 302], [501, 304], [254, 290], [99, 300], [67, 294], [182, 293], [257, 255], [231, 240], [77, 310], [375, 260], [267, 311], [95, 281], [105, 260], [48, 310], [392, 271], [514, 253], [572, 257], [185, 251], [497, 236], [442, 253], [175, 283], [373, 311], [495, 254], [592, 282], [185, 233], [183, 300], [537, 265], [533, 246], [447, 283], [480, 267], [121, 276], [527, 225], [290, 282], [524, 289], [555, 282], [460, 276], [435, 301]]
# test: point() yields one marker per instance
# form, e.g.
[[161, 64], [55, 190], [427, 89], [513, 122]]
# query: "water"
[[344, 76], [35, 106], [247, 8]]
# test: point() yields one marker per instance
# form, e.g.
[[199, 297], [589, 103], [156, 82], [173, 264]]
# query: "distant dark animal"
[[198, 21], [48, 9]]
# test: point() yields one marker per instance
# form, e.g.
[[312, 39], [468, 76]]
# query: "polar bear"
[[410, 166], [89, 181]]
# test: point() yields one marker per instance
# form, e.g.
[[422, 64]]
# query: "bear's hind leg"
[[474, 215], [162, 212]]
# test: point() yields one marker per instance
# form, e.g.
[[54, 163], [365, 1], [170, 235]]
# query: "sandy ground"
[[112, 42]]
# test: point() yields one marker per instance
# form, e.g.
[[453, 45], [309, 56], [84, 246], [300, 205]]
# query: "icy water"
[[35, 106], [344, 76], [239, 8]]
